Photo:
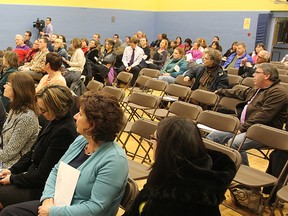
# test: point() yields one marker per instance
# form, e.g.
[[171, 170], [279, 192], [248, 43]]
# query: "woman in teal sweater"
[[101, 161], [174, 67]]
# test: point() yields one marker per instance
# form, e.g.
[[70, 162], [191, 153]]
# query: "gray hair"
[[214, 55], [270, 69]]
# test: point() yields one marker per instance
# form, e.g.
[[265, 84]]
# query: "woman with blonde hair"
[[28, 175], [160, 56]]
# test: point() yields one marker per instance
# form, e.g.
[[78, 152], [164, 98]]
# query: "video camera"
[[39, 24]]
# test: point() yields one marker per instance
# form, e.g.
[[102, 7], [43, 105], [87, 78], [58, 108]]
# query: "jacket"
[[238, 61], [33, 168], [219, 81], [169, 67], [198, 191], [101, 184], [269, 107], [18, 135]]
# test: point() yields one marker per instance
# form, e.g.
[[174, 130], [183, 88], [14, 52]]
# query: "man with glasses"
[[266, 104], [247, 69]]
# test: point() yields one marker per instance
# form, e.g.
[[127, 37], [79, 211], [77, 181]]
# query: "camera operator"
[[48, 28]]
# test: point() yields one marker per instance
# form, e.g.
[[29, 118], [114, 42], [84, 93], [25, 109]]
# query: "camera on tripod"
[[39, 24]]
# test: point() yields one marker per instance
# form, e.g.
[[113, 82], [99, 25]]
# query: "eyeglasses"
[[258, 72], [261, 57], [43, 111], [152, 137]]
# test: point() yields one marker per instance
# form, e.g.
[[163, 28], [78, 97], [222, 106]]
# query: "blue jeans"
[[224, 137], [168, 79]]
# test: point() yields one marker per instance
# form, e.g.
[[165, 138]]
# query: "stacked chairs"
[[254, 178], [206, 99]]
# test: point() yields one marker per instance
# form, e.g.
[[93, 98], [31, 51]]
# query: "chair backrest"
[[283, 78], [283, 71], [241, 87], [124, 77], [218, 121], [233, 71], [248, 81], [117, 92], [177, 91], [205, 97], [234, 79], [156, 85], [185, 109], [131, 192], [139, 84], [268, 136], [228, 103], [285, 85], [180, 81], [232, 153], [143, 99], [144, 128], [279, 65], [94, 85], [153, 73]]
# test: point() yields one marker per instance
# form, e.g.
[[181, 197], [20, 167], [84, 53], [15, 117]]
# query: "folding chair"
[[282, 195], [283, 78], [279, 65], [139, 84], [117, 92], [94, 85], [153, 73], [209, 120], [144, 129], [138, 101], [253, 178], [131, 192], [155, 85], [138, 171], [180, 81], [228, 105], [124, 77], [285, 85], [185, 109], [248, 81], [234, 79], [283, 71], [207, 98], [233, 71], [172, 93]]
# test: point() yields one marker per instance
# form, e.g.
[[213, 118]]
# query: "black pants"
[[134, 70], [11, 194], [22, 209]]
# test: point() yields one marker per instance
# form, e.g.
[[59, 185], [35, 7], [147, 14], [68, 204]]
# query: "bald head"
[[262, 56]]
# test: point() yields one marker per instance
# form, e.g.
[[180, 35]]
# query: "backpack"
[[78, 87]]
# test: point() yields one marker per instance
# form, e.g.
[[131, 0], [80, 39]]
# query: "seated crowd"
[[38, 85]]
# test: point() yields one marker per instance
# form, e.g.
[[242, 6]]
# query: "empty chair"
[[155, 85], [144, 129], [153, 73], [234, 79], [282, 195], [138, 171], [117, 92], [124, 77], [131, 192], [248, 81], [206, 98], [283, 71], [283, 78], [94, 85], [233, 71], [210, 120], [139, 84], [185, 109], [138, 101], [254, 178], [180, 81], [279, 65]]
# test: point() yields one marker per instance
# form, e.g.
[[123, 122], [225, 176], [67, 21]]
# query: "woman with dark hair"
[[93, 51], [101, 161], [179, 42], [27, 176], [186, 178], [21, 127], [63, 38], [187, 44], [231, 50], [259, 47], [215, 45]]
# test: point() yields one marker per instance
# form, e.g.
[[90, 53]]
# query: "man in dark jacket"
[[267, 104], [209, 76]]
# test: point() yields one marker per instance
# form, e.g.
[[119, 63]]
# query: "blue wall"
[[84, 22]]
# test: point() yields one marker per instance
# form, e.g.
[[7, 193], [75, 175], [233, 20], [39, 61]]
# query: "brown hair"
[[24, 92], [11, 58], [104, 113], [77, 43]]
